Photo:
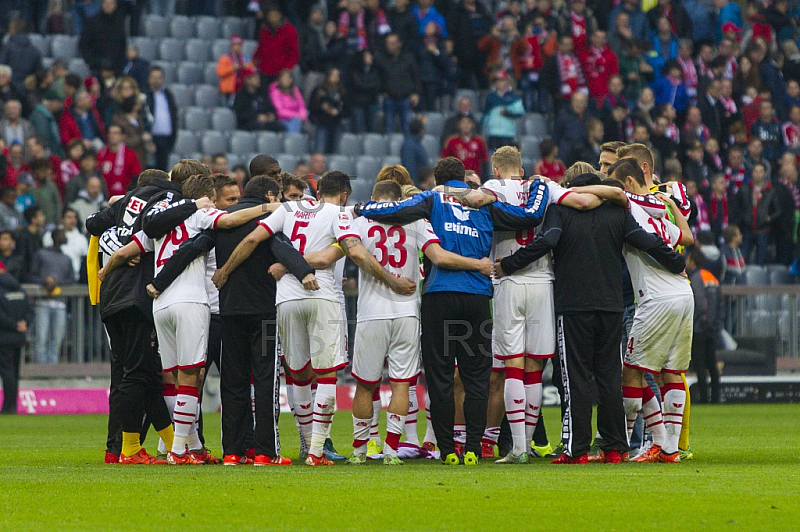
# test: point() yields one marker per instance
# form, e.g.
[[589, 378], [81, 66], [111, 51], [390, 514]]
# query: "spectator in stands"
[[8, 90], [614, 95], [590, 151], [694, 130], [103, 38], [424, 13], [712, 110], [45, 125], [24, 196], [35, 149], [695, 169], [219, 164], [426, 178], [87, 169], [620, 34], [503, 48], [231, 69], [76, 247], [136, 67], [397, 173], [784, 223], [734, 259], [700, 222], [467, 23], [712, 157], [377, 24], [70, 167], [327, 106], [15, 129], [791, 130], [15, 165], [636, 18], [665, 45], [135, 135], [768, 130], [401, 84], [352, 25], [90, 199], [29, 239], [563, 75], [51, 269], [314, 48], [83, 10], [288, 102], [403, 21], [728, 12], [699, 13], [253, 111], [164, 110], [45, 193], [569, 130], [20, 54], [580, 23], [15, 313], [363, 86], [451, 124], [670, 88], [239, 173], [502, 108], [10, 255], [718, 210], [10, 219], [117, 163], [755, 209], [714, 261], [676, 15], [550, 165], [754, 156], [82, 121], [467, 146], [278, 46], [534, 95], [413, 155], [635, 71], [432, 65], [599, 63]]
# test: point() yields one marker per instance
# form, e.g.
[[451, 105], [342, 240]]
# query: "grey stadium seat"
[[210, 74], [780, 277], [206, 96], [376, 145], [181, 27], [529, 146], [432, 146], [170, 71], [536, 125], [362, 189], [186, 142], [64, 47], [756, 275], [367, 168], [184, 95], [78, 66], [390, 160], [148, 48], [223, 119], [172, 50], [174, 158], [214, 142], [233, 26], [295, 144], [41, 42], [198, 50], [342, 163], [434, 124], [350, 145], [243, 142], [269, 143], [207, 28], [197, 119], [762, 323], [219, 48], [287, 161], [234, 159], [190, 73], [249, 47], [156, 27], [395, 143]]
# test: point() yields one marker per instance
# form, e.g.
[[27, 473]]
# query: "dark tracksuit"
[[14, 306], [587, 259], [708, 315], [127, 312], [247, 315], [456, 305]]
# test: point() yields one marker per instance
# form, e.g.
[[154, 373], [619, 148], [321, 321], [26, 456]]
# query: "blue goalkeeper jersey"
[[462, 230]]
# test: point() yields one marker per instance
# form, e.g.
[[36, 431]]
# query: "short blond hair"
[[185, 168], [396, 173], [507, 158], [577, 169], [640, 152]]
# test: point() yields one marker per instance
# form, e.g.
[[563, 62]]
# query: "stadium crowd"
[[712, 96]]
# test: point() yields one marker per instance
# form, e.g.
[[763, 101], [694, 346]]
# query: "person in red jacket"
[[467, 147], [599, 63], [82, 121], [278, 47], [118, 163]]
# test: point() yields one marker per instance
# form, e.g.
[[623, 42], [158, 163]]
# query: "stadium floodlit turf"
[[745, 476]]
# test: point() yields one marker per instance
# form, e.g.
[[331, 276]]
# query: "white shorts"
[[661, 335], [396, 340], [524, 321], [182, 330], [311, 333]]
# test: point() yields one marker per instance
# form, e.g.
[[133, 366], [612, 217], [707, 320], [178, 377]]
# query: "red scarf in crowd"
[[689, 73], [719, 207], [734, 179], [795, 192], [729, 104], [703, 223], [570, 73], [361, 28], [578, 31]]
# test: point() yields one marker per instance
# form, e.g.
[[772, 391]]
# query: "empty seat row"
[[210, 28], [774, 274], [198, 50], [240, 142]]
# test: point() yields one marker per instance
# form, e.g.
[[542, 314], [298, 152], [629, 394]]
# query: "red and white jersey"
[[653, 206], [397, 249], [311, 226], [504, 243], [190, 286], [649, 280]]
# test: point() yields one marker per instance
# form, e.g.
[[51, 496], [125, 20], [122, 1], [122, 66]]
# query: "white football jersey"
[[650, 280], [190, 286], [311, 226], [504, 243], [651, 205], [397, 249]]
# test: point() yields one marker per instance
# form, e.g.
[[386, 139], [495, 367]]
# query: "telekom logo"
[[27, 398]]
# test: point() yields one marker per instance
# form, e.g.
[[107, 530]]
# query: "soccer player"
[[182, 311], [661, 335], [314, 324], [388, 327]]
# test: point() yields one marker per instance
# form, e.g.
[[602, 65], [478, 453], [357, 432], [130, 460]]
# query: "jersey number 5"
[[390, 258], [300, 237]]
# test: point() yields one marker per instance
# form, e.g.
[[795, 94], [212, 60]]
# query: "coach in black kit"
[[587, 259]]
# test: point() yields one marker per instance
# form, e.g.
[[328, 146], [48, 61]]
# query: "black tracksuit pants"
[[140, 390], [10, 358], [248, 349], [213, 354], [457, 328], [588, 346], [704, 361]]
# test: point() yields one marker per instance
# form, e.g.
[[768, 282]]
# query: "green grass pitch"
[[746, 476]]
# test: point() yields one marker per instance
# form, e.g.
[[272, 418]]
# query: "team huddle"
[[193, 274]]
